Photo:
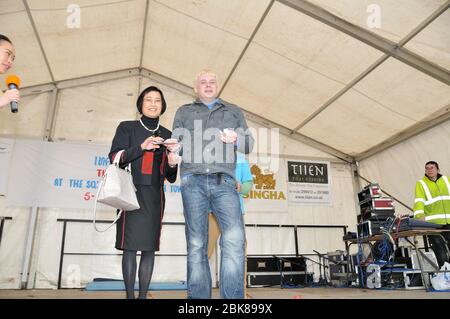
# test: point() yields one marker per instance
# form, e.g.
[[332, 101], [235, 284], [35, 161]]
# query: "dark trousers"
[[438, 246]]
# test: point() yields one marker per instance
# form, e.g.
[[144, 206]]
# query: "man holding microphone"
[[7, 55]]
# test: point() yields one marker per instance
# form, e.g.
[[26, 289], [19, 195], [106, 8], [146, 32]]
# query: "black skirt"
[[140, 229]]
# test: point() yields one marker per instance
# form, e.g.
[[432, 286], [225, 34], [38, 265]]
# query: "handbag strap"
[[117, 160], [95, 213]]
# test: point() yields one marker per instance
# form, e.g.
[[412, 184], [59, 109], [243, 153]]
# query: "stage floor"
[[254, 293]]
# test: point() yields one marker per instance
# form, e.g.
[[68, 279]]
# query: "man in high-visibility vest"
[[432, 204]]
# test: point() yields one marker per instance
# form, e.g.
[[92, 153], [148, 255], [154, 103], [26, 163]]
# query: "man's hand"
[[9, 96], [238, 187], [228, 136], [172, 145], [149, 143]]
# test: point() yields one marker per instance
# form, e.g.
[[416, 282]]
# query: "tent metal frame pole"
[[299, 137], [424, 125], [249, 41], [144, 32], [178, 86], [38, 38], [80, 82], [387, 46], [344, 90], [51, 115], [356, 182], [376, 64], [36, 89], [97, 78], [29, 247]]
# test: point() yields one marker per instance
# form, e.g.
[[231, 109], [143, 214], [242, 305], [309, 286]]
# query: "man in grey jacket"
[[210, 131]]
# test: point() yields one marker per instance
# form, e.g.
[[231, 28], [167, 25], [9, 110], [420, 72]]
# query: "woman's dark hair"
[[140, 99], [432, 163], [4, 38]]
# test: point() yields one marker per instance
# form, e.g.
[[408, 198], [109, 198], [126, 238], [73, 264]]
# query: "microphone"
[[13, 82]]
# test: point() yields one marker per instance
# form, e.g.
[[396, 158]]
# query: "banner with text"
[[63, 175], [309, 182]]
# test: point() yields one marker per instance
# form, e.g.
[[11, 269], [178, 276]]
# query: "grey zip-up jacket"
[[198, 129]]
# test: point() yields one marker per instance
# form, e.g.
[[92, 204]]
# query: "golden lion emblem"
[[262, 181]]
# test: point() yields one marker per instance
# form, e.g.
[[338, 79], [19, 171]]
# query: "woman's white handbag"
[[116, 190]]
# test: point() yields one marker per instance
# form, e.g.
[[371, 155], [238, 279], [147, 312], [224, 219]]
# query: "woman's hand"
[[150, 143], [9, 96], [173, 159]]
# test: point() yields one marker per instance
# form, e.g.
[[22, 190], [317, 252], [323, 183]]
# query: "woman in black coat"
[[151, 164]]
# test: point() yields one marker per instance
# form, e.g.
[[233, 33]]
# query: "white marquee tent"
[[361, 84]]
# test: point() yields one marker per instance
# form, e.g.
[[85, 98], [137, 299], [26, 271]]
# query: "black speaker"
[[275, 264]]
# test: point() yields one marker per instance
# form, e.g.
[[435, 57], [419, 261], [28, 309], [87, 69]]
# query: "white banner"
[[309, 182], [66, 175], [269, 186], [63, 175]]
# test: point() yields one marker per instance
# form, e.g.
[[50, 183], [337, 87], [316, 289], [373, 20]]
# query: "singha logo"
[[262, 181]]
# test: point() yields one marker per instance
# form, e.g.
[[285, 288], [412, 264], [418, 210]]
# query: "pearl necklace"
[[153, 131]]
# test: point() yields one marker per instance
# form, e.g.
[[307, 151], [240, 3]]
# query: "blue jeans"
[[199, 192]]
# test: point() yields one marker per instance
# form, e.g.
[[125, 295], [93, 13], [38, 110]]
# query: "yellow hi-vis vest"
[[433, 200]]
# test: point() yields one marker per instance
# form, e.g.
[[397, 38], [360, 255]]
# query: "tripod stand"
[[322, 280], [280, 266], [339, 263]]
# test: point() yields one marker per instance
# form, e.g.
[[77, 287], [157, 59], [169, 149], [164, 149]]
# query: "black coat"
[[147, 167], [141, 229]]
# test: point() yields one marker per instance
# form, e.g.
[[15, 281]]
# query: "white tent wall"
[[12, 245], [398, 168]]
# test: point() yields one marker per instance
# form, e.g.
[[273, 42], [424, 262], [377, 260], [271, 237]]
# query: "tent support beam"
[[426, 124], [31, 230], [38, 38], [159, 78], [249, 41], [144, 32], [344, 90], [360, 77], [297, 136], [79, 82], [388, 47], [51, 116], [36, 89]]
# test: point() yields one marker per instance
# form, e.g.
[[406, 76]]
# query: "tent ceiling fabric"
[[398, 17], [294, 65], [102, 105], [284, 66], [109, 37], [184, 37], [15, 22], [433, 43]]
